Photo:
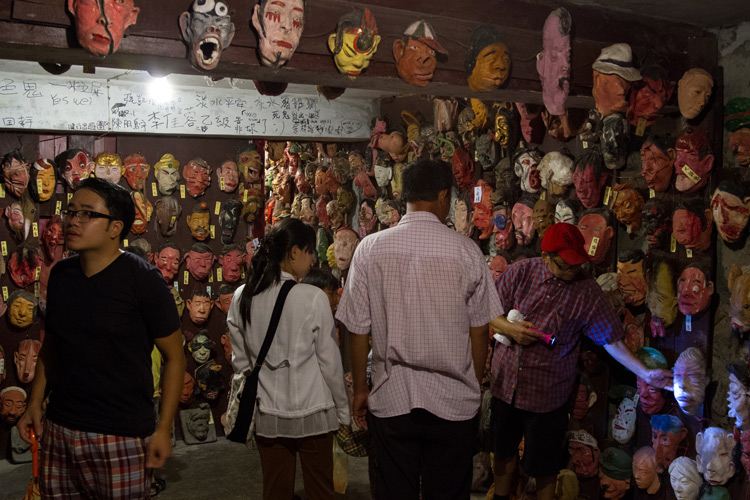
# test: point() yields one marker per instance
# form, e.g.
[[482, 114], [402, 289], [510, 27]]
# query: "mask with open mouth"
[[207, 29]]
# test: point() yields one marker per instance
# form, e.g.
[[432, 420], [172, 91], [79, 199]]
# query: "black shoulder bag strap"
[[249, 394], [275, 317]]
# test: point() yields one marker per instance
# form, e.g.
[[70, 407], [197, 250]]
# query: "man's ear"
[[115, 228]]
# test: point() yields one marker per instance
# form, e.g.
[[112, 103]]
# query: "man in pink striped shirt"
[[531, 378], [426, 294]]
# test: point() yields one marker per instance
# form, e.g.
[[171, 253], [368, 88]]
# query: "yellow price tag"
[[153, 189], [218, 208], [651, 193], [5, 293], [213, 231], [35, 229], [125, 243], [244, 196], [243, 274], [182, 191], [211, 277], [641, 128], [174, 219], [673, 244], [221, 183], [58, 207], [585, 144], [70, 195], [607, 194], [36, 290], [218, 275], [543, 196], [4, 247], [689, 253], [594, 244], [2, 191], [690, 174], [39, 185], [186, 278], [37, 273]]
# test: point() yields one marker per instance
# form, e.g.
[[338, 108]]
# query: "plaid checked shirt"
[[419, 287], [541, 377]]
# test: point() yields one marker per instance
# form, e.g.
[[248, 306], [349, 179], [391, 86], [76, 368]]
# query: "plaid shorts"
[[76, 464]]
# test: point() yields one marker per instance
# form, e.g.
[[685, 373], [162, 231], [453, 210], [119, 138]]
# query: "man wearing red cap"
[[532, 380]]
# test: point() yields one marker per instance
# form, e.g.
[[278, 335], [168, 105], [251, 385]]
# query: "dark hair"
[[361, 19], [424, 180], [592, 157], [732, 187], [266, 262], [700, 267], [696, 208], [116, 199], [635, 256], [321, 278], [169, 245], [8, 158], [225, 249], [199, 291], [662, 142]]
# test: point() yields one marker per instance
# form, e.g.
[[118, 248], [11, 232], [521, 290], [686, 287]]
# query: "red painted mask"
[[730, 213], [693, 161], [647, 99], [688, 229], [588, 186], [656, 166], [75, 165], [22, 265], [188, 384], [651, 398], [136, 171], [463, 168], [504, 238], [694, 292], [482, 217], [101, 24], [167, 261], [197, 176], [232, 264], [25, 359], [498, 265], [53, 239], [199, 261], [595, 226]]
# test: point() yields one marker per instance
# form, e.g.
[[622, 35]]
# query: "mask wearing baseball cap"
[[566, 241]]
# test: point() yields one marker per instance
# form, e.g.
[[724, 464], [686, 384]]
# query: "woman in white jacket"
[[301, 393]]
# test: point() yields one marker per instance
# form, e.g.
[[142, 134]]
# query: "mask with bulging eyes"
[[208, 30]]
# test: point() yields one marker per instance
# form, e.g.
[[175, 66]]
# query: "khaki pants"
[[278, 459]]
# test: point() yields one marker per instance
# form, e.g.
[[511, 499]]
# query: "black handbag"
[[247, 399]]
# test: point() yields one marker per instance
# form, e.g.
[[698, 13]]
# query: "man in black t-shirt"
[[106, 309]]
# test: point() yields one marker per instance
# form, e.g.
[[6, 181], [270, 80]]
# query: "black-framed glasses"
[[83, 216]]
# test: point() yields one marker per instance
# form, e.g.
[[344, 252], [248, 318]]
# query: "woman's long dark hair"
[[266, 262]]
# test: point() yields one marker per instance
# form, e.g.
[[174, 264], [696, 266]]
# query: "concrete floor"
[[222, 469]]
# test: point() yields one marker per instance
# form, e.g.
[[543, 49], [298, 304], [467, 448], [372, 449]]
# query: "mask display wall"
[[12, 404], [714, 457], [589, 177], [199, 307], [615, 472], [693, 161], [690, 380], [738, 395], [685, 478], [693, 92], [737, 123], [644, 470], [74, 165], [355, 42], [657, 161], [278, 25], [730, 207], [101, 25], [667, 433], [416, 52], [739, 302], [556, 172], [167, 173], [108, 166], [42, 180], [25, 359], [15, 172], [661, 299], [613, 75], [207, 29], [649, 95], [614, 140], [553, 62], [487, 61], [627, 205]]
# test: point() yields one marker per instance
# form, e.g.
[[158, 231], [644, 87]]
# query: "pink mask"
[[588, 185], [553, 62], [232, 263], [482, 218], [199, 261], [101, 24], [504, 238], [167, 261], [197, 176], [656, 166], [595, 226], [523, 221], [694, 292], [688, 229], [199, 307]]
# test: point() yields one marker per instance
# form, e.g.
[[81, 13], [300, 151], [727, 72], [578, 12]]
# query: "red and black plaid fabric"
[[541, 376], [79, 464]]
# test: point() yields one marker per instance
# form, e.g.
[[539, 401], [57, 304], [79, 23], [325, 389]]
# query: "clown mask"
[[136, 171], [74, 165]]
